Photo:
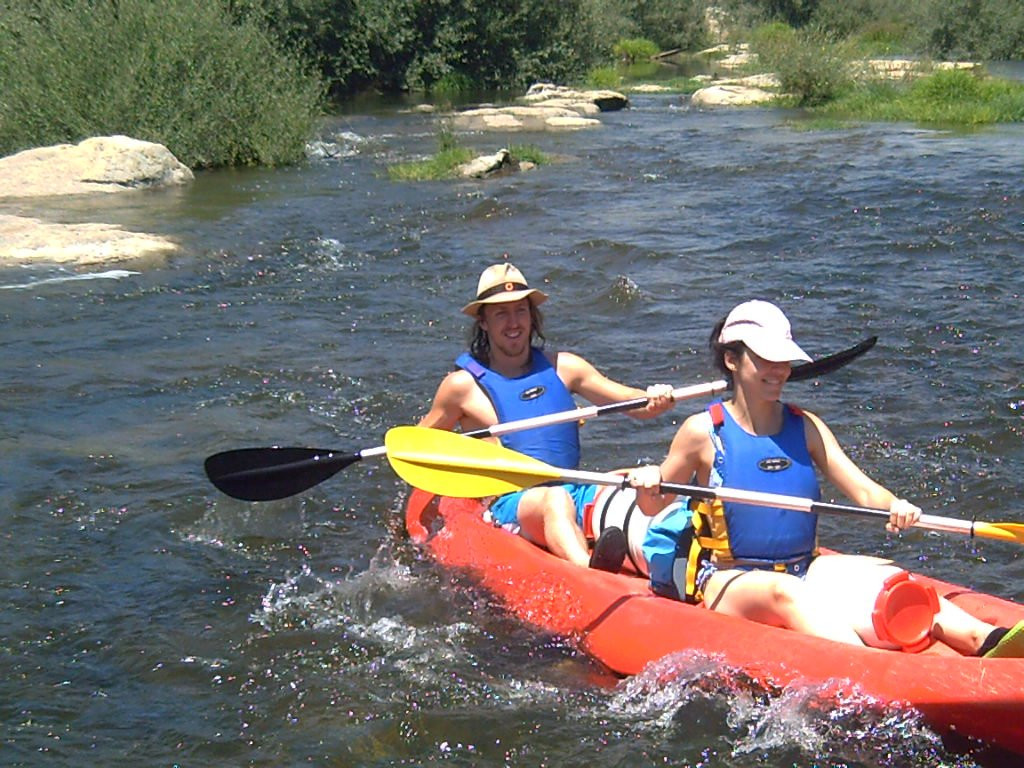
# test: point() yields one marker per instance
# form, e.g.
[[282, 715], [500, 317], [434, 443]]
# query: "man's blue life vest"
[[539, 392]]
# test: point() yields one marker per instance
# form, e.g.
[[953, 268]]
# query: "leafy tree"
[[985, 29], [671, 23]]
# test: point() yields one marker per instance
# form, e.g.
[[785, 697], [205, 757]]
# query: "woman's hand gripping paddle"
[[450, 464], [264, 474]]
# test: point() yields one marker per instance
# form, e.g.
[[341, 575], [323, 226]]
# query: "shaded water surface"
[[148, 620]]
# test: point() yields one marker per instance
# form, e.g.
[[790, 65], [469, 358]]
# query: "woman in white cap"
[[507, 375], [761, 563]]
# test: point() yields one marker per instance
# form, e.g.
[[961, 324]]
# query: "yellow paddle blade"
[[1002, 531], [450, 464]]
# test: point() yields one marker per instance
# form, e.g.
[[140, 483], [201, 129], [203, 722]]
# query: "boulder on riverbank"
[[731, 95], [99, 165]]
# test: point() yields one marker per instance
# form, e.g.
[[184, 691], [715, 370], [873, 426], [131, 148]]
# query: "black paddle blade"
[[265, 474], [830, 363]]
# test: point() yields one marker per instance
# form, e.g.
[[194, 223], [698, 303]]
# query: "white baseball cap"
[[765, 330]]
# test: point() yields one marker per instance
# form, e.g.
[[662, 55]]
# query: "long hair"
[[719, 349], [480, 345]]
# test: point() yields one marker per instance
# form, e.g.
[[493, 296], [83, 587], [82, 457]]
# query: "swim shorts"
[[504, 511]]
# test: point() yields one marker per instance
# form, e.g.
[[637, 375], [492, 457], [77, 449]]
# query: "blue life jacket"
[[779, 463], [537, 393], [681, 539]]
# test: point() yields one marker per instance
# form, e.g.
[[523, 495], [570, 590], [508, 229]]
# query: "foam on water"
[[109, 274]]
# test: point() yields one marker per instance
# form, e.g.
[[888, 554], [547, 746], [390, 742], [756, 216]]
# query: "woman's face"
[[759, 378]]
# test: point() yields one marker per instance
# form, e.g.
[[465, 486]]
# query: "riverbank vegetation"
[[945, 97], [835, 80], [234, 82], [215, 89]]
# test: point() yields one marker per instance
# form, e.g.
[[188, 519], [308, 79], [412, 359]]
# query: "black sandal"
[[609, 550]]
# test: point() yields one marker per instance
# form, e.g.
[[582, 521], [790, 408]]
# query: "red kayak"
[[617, 620]]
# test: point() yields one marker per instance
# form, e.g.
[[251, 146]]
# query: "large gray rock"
[[100, 164], [604, 100], [486, 166], [521, 118]]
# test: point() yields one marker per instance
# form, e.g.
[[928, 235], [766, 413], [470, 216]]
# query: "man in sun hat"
[[506, 375]]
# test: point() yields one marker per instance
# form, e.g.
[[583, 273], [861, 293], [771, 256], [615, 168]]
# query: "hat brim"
[[775, 349], [536, 297]]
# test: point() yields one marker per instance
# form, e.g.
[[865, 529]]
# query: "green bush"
[[529, 153], [215, 90], [451, 86], [881, 39], [476, 44], [979, 29], [604, 77], [986, 30], [773, 40], [810, 70], [962, 97], [671, 23], [635, 49]]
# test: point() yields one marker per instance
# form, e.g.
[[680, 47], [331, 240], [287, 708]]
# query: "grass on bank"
[[825, 78], [450, 155], [946, 97]]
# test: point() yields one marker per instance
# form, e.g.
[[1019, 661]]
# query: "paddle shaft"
[[534, 422], [799, 504], [587, 412], [265, 474]]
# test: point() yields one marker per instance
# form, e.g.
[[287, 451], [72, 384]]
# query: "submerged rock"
[[24, 239]]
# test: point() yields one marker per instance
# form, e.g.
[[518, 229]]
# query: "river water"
[[146, 619]]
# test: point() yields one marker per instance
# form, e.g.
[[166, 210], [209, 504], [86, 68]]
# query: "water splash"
[[335, 147], [830, 724]]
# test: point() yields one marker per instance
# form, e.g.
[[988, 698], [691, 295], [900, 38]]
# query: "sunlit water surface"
[[148, 620]]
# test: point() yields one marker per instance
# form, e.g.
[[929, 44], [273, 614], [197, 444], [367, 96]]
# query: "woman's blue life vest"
[[779, 463], [538, 392], [732, 534]]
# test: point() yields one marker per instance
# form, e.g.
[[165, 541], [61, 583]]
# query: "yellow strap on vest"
[[703, 546]]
